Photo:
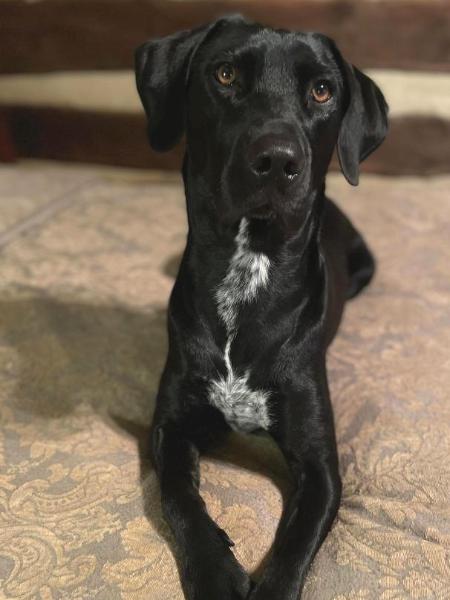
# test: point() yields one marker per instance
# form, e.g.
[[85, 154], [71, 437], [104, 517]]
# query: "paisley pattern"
[[83, 292]]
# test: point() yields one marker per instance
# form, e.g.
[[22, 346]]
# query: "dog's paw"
[[217, 575], [271, 592]]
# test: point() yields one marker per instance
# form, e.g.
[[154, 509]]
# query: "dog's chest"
[[245, 409]]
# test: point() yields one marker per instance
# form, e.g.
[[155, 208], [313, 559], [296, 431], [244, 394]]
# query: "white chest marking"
[[248, 272]]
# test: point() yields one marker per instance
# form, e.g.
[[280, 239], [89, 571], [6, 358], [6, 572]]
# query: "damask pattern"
[[82, 343]]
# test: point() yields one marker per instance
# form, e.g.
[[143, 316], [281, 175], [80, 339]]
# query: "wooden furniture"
[[78, 35]]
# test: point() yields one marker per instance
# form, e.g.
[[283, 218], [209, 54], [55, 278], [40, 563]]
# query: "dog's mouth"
[[264, 212]]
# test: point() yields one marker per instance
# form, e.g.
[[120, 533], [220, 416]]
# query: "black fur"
[[259, 149]]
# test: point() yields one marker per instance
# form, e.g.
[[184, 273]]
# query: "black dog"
[[268, 265]]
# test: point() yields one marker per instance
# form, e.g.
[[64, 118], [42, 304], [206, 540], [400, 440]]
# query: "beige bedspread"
[[87, 260]]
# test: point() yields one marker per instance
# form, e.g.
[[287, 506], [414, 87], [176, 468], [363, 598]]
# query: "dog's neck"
[[212, 247], [278, 240]]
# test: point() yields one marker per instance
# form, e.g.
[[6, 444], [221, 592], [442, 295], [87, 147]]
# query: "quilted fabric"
[[87, 262]]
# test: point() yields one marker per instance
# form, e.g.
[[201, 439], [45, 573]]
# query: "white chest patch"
[[248, 272]]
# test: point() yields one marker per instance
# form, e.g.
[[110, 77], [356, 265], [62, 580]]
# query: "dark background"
[[80, 35]]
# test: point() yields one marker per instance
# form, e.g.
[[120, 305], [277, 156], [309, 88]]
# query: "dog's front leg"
[[209, 569], [305, 432]]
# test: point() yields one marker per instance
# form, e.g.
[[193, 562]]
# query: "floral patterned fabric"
[[87, 262]]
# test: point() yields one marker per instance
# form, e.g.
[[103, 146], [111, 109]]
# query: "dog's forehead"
[[240, 39]]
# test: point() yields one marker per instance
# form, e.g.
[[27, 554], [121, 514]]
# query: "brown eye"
[[226, 74], [321, 92]]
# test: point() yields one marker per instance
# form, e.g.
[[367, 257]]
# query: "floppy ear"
[[364, 125], [162, 73]]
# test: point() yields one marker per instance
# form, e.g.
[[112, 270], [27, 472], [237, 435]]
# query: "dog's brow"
[[226, 53]]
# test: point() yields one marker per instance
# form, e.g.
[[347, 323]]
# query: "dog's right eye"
[[321, 92], [226, 74]]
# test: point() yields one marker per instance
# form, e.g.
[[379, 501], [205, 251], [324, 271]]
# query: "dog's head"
[[263, 110]]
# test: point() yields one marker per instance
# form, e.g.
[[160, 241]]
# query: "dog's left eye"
[[226, 74], [321, 92]]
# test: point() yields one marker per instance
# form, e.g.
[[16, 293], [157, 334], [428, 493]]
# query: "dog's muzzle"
[[275, 159], [274, 164]]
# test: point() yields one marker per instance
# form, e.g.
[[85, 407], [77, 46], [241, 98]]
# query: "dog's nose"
[[275, 158]]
